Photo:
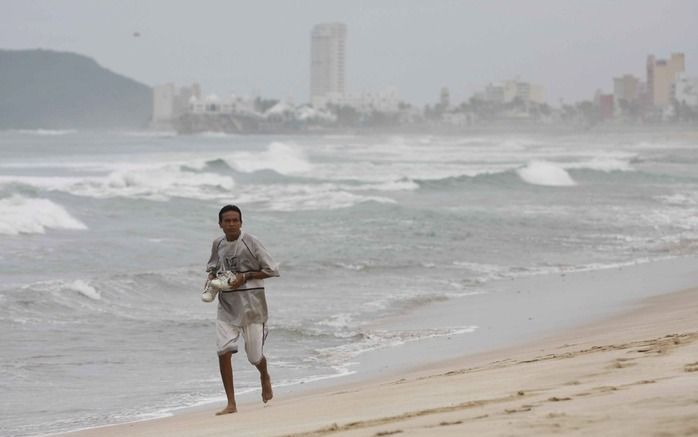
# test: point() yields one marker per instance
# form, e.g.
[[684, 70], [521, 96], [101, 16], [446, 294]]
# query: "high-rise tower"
[[661, 76], [327, 62]]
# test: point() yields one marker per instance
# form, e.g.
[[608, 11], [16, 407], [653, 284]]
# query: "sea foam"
[[84, 289], [679, 199], [142, 182], [21, 215], [160, 184], [545, 173], [46, 132], [375, 339], [296, 197], [602, 164], [281, 157]]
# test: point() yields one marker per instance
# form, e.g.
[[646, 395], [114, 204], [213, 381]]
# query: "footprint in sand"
[[606, 388], [692, 367], [456, 422], [621, 363], [382, 433], [523, 409]]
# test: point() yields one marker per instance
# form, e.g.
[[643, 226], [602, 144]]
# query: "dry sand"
[[635, 374]]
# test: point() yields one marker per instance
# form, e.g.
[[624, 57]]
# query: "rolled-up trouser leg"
[[254, 335]]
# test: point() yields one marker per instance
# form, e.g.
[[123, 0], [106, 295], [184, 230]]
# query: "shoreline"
[[405, 398]]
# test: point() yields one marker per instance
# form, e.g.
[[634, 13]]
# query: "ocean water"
[[104, 238]]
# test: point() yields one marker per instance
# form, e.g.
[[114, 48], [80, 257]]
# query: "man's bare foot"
[[267, 393], [227, 410]]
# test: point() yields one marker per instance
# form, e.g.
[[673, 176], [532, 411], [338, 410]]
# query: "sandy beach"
[[631, 374]]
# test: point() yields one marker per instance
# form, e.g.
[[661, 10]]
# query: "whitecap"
[[297, 197], [21, 215], [59, 183], [84, 289], [545, 173], [281, 157], [349, 266], [46, 132], [602, 164], [396, 185], [342, 320], [679, 199], [323, 200]]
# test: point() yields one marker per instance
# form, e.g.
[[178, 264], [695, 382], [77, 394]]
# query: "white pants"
[[253, 334]]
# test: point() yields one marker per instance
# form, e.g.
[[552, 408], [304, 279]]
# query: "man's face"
[[231, 223]]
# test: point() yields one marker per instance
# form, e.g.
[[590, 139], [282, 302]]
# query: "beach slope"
[[632, 374]]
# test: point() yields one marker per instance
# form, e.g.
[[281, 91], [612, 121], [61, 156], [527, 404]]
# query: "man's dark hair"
[[227, 208]]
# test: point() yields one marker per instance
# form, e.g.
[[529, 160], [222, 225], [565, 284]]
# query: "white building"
[[163, 103], [661, 77], [170, 102], [212, 104], [327, 62], [445, 98], [286, 111], [627, 88], [686, 90], [508, 91], [386, 100]]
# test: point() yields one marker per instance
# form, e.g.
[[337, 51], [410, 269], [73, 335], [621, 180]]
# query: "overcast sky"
[[262, 47]]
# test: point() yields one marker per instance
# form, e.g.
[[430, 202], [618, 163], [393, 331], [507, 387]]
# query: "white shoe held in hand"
[[223, 281], [210, 291]]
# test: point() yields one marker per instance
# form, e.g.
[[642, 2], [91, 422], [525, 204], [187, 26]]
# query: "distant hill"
[[58, 90]]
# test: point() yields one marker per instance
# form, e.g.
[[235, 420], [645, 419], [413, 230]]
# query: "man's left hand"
[[240, 279]]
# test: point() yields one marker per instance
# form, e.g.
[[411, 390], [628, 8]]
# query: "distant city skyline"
[[570, 48]]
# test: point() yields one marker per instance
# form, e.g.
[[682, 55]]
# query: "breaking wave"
[[296, 197], [546, 174], [21, 215], [286, 159], [155, 183]]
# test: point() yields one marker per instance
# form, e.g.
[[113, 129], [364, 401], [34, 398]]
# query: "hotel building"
[[327, 62], [661, 77]]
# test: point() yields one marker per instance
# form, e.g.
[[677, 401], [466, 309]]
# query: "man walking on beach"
[[242, 307]]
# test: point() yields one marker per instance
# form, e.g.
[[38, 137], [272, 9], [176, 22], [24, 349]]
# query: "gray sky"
[[262, 46]]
